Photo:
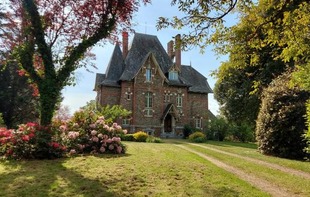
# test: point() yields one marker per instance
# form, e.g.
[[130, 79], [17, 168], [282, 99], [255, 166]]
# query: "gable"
[[150, 62], [141, 46]]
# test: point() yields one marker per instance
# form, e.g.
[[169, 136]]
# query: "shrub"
[[217, 129], [197, 137], [242, 133], [307, 134], [90, 134], [152, 139], [1, 120], [281, 124], [127, 137], [29, 141], [140, 136], [187, 130]]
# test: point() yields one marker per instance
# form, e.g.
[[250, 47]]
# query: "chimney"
[[125, 44], [170, 49], [178, 51]]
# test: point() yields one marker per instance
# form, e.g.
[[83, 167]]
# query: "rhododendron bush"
[[26, 142], [90, 134], [86, 132]]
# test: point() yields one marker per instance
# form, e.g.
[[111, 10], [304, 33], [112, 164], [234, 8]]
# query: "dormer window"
[[173, 75]]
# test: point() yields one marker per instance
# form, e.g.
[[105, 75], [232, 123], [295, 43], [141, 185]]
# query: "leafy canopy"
[[49, 39]]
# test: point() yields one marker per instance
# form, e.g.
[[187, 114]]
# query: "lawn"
[[146, 170]]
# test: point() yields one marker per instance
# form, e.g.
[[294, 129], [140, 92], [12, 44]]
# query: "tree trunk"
[[49, 95]]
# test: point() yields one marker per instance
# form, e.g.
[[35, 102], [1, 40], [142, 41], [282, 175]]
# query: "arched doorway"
[[168, 124]]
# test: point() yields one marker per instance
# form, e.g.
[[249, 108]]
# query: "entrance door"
[[168, 123]]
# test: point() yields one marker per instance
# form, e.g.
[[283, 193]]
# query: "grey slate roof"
[[115, 68], [99, 78], [142, 44], [197, 82], [141, 47]]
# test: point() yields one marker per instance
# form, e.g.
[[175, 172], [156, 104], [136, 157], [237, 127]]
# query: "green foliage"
[[127, 137], [111, 113], [241, 133], [1, 120], [29, 141], [201, 17], [18, 105], [281, 124], [140, 136], [187, 130], [218, 129], [152, 139], [307, 134], [197, 137], [87, 132]]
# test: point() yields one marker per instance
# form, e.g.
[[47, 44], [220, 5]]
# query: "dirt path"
[[261, 184], [267, 164]]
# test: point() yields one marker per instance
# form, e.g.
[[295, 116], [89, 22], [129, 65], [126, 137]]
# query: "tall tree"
[[49, 39], [270, 34], [18, 102]]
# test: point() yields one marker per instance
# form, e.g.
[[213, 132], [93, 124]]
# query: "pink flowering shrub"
[[87, 132], [28, 141]]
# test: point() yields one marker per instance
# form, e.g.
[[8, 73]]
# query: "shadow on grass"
[[237, 144], [52, 178]]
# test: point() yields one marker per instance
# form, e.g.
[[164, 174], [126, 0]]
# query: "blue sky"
[[144, 22]]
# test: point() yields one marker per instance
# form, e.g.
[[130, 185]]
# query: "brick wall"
[[110, 96]]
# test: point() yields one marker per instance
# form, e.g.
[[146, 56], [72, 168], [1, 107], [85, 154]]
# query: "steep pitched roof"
[[99, 78], [142, 44], [115, 68], [142, 47], [197, 82]]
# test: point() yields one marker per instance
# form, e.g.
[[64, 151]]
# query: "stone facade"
[[163, 96]]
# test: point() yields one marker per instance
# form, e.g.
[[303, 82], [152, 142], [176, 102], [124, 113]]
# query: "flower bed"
[[82, 134]]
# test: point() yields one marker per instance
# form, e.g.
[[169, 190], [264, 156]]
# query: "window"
[[148, 104], [148, 75], [167, 97], [179, 100], [128, 94], [126, 121], [198, 123], [173, 75]]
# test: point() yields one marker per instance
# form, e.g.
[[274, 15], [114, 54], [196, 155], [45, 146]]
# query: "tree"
[[17, 101], [49, 39], [281, 123], [200, 17], [111, 113]]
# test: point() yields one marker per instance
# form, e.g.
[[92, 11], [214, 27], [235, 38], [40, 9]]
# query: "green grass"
[[149, 170], [295, 184], [146, 170], [250, 150]]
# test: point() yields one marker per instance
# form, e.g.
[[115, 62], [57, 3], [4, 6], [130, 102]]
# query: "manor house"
[[162, 94]]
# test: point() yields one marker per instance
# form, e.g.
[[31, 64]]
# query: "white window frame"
[[148, 104], [148, 75], [173, 75], [179, 100], [198, 123], [167, 97], [125, 121]]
